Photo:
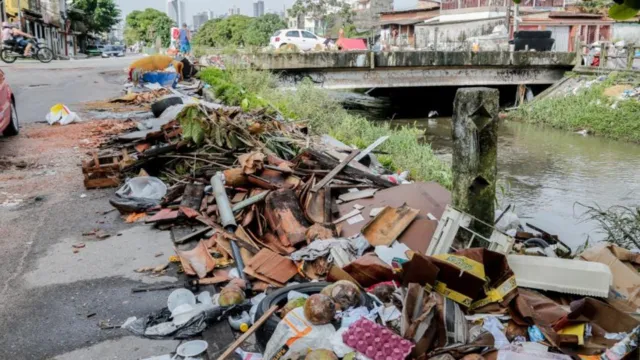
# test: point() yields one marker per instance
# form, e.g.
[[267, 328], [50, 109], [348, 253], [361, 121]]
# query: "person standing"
[[185, 40]]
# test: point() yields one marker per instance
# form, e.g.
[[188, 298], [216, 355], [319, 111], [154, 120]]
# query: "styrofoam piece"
[[562, 275], [376, 341]]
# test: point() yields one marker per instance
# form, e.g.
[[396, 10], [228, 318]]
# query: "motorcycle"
[[12, 51]]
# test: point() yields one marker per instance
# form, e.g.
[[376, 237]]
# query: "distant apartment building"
[[177, 10], [234, 10], [199, 19], [258, 8]]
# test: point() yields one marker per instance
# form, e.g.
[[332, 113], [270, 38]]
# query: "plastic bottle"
[[240, 322]]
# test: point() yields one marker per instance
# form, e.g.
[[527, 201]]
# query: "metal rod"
[[250, 201], [227, 219]]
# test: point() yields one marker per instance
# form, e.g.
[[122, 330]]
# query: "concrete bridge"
[[348, 70]]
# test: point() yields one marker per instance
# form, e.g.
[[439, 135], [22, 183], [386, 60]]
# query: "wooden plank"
[[325, 180], [329, 161], [249, 332]]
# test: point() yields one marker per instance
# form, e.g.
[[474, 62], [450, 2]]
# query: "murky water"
[[545, 172]]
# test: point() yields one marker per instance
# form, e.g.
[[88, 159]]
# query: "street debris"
[[61, 114], [262, 213]]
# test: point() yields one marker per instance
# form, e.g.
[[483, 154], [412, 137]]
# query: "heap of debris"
[[359, 262]]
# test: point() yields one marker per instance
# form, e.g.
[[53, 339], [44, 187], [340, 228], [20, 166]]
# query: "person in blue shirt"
[[185, 40]]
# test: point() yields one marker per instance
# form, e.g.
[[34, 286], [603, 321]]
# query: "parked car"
[[302, 39], [93, 50], [112, 51], [8, 113]]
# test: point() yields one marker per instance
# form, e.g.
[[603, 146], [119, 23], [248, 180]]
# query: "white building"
[[177, 10]]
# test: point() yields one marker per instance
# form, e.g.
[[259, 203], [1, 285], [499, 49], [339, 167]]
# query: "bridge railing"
[[606, 56]]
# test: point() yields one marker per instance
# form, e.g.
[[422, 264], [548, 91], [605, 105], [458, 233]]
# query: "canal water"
[[545, 173]]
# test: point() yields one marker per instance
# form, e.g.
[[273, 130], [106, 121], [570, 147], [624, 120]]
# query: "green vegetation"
[[98, 16], [238, 30], [331, 14], [591, 109], [619, 224], [323, 115], [147, 25]]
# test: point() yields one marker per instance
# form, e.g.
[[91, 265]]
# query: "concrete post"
[[475, 151], [631, 53], [604, 47]]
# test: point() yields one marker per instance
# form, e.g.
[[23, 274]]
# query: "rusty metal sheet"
[[428, 197], [387, 226], [269, 240], [285, 216], [270, 265], [164, 215], [196, 261], [314, 206]]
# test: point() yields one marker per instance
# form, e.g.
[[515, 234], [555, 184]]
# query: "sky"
[[220, 7]]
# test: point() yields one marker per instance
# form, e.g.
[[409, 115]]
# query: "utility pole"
[[20, 13], [508, 19]]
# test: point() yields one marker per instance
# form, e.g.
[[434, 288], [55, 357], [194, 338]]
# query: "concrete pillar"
[[475, 151]]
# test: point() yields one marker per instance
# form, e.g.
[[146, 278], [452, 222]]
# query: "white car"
[[302, 39]]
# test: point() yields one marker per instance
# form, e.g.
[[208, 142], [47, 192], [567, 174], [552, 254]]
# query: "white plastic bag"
[[338, 346], [61, 114], [296, 334], [146, 187], [495, 327]]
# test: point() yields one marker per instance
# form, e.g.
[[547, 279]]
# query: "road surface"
[[52, 298]]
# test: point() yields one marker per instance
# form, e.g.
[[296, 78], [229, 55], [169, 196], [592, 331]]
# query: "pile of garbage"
[[322, 253]]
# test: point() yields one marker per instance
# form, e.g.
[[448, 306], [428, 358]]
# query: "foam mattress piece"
[[562, 275]]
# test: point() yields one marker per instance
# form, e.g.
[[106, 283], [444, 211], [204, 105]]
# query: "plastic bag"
[[146, 187], [509, 221], [296, 334], [61, 114], [130, 204], [338, 346], [495, 327]]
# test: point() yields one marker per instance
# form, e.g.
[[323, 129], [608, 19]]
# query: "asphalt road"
[[53, 299]]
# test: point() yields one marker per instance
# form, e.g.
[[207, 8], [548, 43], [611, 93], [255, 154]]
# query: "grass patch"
[[324, 115], [589, 109]]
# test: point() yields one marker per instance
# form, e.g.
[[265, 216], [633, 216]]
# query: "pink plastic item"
[[376, 341]]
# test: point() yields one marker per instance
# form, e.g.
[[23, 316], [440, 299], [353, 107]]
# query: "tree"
[[161, 27], [97, 15], [220, 33], [146, 25], [329, 13], [205, 34], [261, 29]]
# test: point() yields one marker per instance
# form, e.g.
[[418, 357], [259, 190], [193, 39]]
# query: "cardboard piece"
[[427, 197], [626, 280], [387, 226]]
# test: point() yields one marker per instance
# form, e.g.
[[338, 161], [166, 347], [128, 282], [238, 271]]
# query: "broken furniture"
[[561, 275], [454, 232]]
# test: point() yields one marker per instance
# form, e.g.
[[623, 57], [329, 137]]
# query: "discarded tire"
[[158, 107], [279, 297]]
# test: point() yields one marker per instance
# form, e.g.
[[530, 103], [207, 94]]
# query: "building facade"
[[234, 10], [397, 28], [258, 8], [177, 10], [45, 19], [463, 22], [200, 19]]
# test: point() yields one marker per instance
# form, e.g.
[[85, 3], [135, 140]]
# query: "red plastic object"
[[376, 341]]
